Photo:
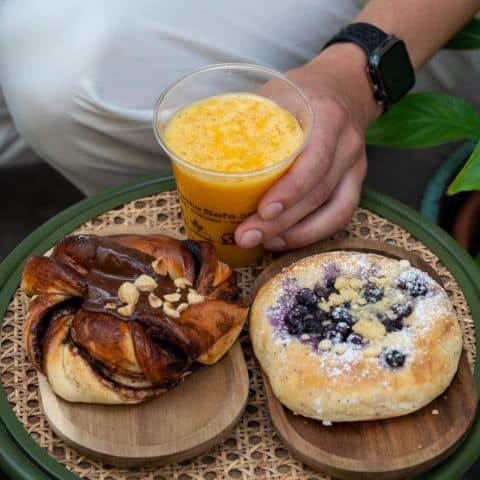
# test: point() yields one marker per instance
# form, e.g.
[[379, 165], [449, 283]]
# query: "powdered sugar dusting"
[[334, 365], [331, 270], [277, 312], [400, 284]]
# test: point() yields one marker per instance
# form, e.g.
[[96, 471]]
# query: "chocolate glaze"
[[195, 250], [165, 348], [112, 264], [108, 265], [53, 314]]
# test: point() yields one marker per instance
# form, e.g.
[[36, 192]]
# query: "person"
[[80, 80]]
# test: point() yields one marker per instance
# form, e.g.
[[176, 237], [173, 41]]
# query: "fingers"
[[329, 218], [256, 230], [312, 164]]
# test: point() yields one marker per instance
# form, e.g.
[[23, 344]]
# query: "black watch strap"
[[389, 67], [365, 35]]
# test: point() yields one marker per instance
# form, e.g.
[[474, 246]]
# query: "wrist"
[[343, 67]]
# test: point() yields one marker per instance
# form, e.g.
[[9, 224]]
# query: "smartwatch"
[[388, 65]]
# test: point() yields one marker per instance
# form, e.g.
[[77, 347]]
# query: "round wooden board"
[[180, 424], [382, 449]]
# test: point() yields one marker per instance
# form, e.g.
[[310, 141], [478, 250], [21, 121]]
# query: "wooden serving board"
[[182, 423], [381, 449]]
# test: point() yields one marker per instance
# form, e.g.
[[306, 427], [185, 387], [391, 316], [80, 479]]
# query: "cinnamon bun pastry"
[[122, 319]]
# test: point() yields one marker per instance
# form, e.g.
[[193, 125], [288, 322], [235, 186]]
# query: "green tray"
[[21, 458]]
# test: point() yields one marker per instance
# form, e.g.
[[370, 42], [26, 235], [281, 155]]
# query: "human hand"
[[319, 193]]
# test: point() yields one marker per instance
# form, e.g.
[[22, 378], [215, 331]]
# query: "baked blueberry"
[[394, 358], [402, 310], [328, 325], [334, 336], [414, 285], [310, 324], [330, 283], [324, 291], [294, 327], [305, 324], [393, 325], [343, 328], [320, 315], [341, 314], [294, 317], [306, 297], [372, 292], [297, 312], [355, 338]]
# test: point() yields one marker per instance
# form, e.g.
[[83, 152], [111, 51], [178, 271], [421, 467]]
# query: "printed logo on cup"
[[228, 239]]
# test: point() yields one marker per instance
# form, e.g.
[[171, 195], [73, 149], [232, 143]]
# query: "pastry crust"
[[95, 333], [342, 381]]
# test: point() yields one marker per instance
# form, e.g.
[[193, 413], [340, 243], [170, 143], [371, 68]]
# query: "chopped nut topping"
[[111, 306], [159, 266], [336, 299], [174, 271], [126, 310], [182, 282], [435, 412], [172, 297], [170, 311], [223, 271], [341, 282], [182, 307], [369, 328], [128, 293], [194, 297], [154, 301], [356, 283], [145, 283], [324, 306], [373, 351], [325, 344]]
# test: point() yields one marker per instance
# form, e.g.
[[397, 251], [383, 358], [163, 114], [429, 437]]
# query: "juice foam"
[[233, 133]]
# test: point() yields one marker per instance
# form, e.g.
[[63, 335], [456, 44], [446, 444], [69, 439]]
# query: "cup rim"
[[238, 66]]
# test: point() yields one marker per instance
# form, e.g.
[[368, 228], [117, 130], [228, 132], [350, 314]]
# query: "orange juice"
[[233, 146], [233, 133]]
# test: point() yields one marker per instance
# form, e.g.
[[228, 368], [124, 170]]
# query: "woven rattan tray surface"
[[253, 450]]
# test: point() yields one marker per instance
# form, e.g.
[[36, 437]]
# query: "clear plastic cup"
[[215, 203]]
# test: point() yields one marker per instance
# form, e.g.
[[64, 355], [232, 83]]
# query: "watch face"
[[395, 71]]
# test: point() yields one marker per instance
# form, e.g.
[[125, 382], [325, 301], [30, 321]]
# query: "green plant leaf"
[[477, 259], [424, 120], [468, 178], [466, 39]]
